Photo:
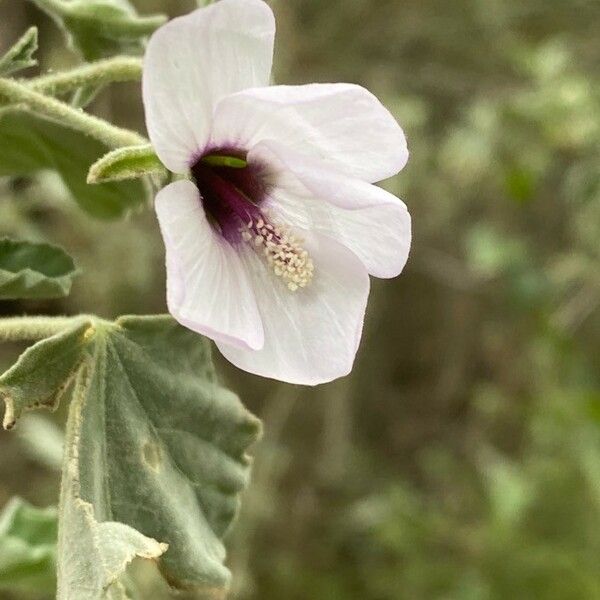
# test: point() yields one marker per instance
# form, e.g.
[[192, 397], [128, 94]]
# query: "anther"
[[283, 252]]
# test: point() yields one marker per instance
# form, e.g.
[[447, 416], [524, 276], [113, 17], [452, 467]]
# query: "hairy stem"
[[114, 137], [111, 70], [14, 329]]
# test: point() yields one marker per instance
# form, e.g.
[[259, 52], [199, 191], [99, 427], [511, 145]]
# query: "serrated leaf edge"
[[11, 415], [61, 284], [51, 403]]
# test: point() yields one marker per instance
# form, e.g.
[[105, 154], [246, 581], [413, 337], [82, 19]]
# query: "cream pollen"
[[232, 194], [282, 251]]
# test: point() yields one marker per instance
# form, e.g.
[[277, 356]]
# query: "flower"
[[270, 242]]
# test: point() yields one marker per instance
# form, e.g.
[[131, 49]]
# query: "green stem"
[[114, 137], [15, 329], [119, 68]]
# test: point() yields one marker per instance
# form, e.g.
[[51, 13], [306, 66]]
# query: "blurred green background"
[[461, 459]]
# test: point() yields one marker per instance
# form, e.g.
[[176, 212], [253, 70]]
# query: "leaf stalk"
[[102, 72], [114, 137], [19, 329]]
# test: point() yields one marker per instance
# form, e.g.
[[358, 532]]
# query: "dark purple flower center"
[[233, 195], [231, 189]]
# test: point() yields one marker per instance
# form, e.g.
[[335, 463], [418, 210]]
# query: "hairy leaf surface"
[[155, 454], [126, 163], [43, 372]]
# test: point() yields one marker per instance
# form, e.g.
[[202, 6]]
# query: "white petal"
[[343, 125], [194, 61], [373, 223], [312, 334], [208, 289]]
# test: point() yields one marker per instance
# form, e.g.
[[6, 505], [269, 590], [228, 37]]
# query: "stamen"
[[232, 192], [282, 251]]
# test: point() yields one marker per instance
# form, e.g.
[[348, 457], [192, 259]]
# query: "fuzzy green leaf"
[[20, 56], [27, 548], [94, 555], [29, 144], [43, 372], [102, 28], [30, 270], [126, 163], [155, 454]]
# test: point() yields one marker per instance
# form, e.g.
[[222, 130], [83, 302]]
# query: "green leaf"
[[126, 163], [94, 555], [43, 372], [29, 144], [20, 56], [102, 28], [155, 453], [30, 270], [27, 548]]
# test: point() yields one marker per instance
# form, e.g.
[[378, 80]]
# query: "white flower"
[[270, 244]]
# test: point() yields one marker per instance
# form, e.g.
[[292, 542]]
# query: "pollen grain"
[[282, 251]]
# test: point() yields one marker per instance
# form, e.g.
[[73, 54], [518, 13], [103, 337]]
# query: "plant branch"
[[15, 329], [102, 72], [114, 137]]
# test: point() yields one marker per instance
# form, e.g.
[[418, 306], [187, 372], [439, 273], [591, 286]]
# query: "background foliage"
[[461, 459]]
